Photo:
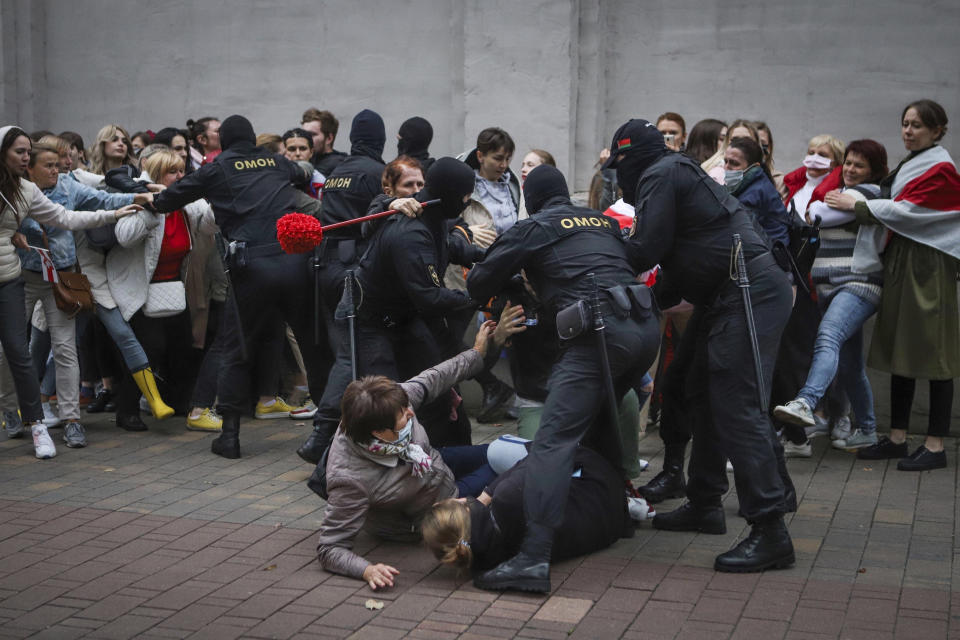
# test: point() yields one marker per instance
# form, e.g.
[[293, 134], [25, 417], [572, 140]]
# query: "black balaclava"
[[450, 180], [642, 145], [236, 130], [368, 135], [416, 134], [544, 183]]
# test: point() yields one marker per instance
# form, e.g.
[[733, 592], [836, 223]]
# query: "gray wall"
[[557, 74]]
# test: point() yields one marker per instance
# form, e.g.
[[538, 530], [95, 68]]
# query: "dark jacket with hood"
[[248, 188], [557, 246], [356, 181], [401, 273]]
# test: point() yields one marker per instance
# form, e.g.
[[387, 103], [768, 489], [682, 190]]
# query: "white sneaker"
[[42, 442], [144, 405], [644, 464], [50, 419], [841, 429], [640, 510], [791, 450], [796, 411], [729, 467]]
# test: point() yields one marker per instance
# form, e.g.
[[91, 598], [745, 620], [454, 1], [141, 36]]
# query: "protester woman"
[[204, 140], [847, 298], [917, 334], [809, 182], [738, 129], [535, 158], [145, 275], [747, 179], [482, 533], [22, 199], [111, 149], [705, 139], [382, 473]]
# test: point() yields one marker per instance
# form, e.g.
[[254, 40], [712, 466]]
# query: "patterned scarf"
[[406, 450]]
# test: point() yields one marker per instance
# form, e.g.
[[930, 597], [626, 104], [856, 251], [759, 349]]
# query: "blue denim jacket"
[[74, 196]]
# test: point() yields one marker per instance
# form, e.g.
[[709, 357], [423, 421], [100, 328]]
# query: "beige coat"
[[380, 494]]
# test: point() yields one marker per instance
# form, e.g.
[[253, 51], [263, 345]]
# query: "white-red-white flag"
[[47, 269]]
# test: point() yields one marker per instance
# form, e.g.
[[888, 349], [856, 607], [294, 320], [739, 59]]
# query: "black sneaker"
[[923, 460], [883, 450], [101, 402]]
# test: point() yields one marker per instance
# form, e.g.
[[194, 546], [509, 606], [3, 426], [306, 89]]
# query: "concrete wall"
[[557, 74]]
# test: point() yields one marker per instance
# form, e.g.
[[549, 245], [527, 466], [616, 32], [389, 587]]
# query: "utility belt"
[[755, 266], [634, 301], [238, 253], [345, 250]]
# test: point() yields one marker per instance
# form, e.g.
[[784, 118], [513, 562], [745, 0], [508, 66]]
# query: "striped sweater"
[[832, 268]]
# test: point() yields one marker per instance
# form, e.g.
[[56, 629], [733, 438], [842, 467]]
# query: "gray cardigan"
[[379, 494]]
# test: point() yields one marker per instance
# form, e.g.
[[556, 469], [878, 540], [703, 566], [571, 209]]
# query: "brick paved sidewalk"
[[147, 535]]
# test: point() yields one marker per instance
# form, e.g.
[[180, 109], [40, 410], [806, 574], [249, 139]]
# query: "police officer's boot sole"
[[768, 546], [667, 484], [519, 573], [709, 520]]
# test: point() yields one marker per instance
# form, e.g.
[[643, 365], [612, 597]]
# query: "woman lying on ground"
[[382, 473]]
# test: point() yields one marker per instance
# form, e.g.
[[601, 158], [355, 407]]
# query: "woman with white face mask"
[[382, 473], [824, 155]]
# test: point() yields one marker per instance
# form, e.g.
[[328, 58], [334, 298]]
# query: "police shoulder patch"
[[432, 270]]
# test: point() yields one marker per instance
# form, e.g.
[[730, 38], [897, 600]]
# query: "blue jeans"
[[839, 351], [133, 354], [469, 467]]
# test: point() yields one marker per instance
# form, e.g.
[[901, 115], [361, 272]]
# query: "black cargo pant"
[[721, 389], [574, 400], [271, 282]]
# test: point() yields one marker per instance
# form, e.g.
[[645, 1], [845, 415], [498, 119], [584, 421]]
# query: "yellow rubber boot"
[[148, 387]]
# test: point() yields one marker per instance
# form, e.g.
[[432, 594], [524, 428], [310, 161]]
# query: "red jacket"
[[795, 180]]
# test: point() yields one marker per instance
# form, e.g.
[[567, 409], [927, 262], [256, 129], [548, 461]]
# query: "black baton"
[[743, 282], [611, 396]]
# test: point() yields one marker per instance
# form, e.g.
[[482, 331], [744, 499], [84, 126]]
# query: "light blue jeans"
[[133, 354], [838, 351]]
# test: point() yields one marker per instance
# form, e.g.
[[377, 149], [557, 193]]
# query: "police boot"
[[669, 483], [227, 444], [313, 447], [767, 547], [689, 517], [496, 397], [529, 570]]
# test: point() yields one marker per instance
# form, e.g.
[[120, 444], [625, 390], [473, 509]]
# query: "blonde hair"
[[270, 142], [836, 146], [162, 162], [105, 135], [61, 145], [736, 124], [446, 532]]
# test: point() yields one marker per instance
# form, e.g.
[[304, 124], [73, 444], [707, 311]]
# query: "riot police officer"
[[249, 189], [685, 222], [557, 247], [401, 299], [347, 193]]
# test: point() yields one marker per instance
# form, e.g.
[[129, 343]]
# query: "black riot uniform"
[[401, 302], [249, 189], [685, 222], [346, 195], [557, 247]]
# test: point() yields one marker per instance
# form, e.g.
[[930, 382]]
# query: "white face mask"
[[813, 161], [404, 434]]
